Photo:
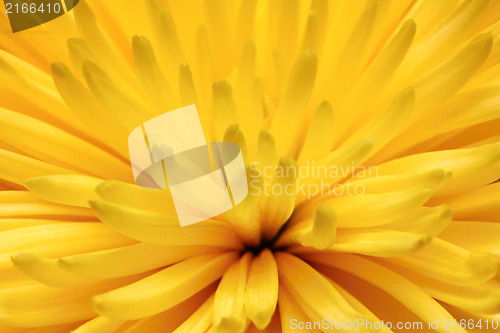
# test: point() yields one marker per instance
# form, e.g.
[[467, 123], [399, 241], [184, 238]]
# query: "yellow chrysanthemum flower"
[[400, 98]]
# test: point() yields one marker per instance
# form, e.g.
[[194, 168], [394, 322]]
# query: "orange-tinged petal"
[[397, 286], [315, 295], [200, 321], [290, 312]]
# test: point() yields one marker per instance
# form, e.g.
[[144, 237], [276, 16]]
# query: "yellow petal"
[[217, 18], [246, 73], [374, 79], [278, 205], [319, 234], [229, 313], [319, 139], [134, 196], [119, 102], [200, 321], [468, 108], [481, 298], [104, 124], [337, 165], [72, 190], [310, 40], [425, 220], [266, 157], [98, 325], [203, 66], [46, 98], [450, 263], [389, 123], [234, 134], [410, 295], [298, 91], [438, 85], [434, 179], [172, 318], [15, 223], [248, 95], [130, 260], [26, 69], [47, 271], [474, 236], [245, 217], [451, 75], [44, 209], [224, 108], [379, 243], [19, 196], [90, 30], [428, 16], [288, 34], [16, 168], [481, 204], [158, 91], [59, 239], [245, 23], [163, 229], [438, 43], [290, 312], [355, 53], [79, 51], [369, 210], [261, 293], [315, 295], [171, 54], [187, 89], [470, 168], [39, 305], [163, 290], [356, 304]]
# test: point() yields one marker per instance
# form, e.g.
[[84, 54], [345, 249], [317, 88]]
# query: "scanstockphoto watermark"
[[311, 179], [355, 325]]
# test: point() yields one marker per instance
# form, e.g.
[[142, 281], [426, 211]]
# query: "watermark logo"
[[26, 14], [313, 179], [204, 179]]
